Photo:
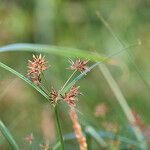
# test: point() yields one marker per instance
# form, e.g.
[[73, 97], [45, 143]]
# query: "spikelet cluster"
[[78, 130], [36, 67], [71, 96], [80, 65]]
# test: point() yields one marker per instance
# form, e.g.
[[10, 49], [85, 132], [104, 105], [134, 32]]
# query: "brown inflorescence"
[[54, 96], [78, 130], [71, 96], [80, 65], [36, 67]]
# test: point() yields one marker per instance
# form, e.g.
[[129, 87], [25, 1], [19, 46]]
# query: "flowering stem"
[[68, 80], [59, 128], [45, 80], [44, 89]]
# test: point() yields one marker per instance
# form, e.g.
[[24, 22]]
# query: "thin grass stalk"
[[68, 80], [124, 105], [122, 45], [6, 133], [59, 128]]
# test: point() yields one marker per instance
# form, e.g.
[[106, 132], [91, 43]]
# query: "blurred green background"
[[73, 23]]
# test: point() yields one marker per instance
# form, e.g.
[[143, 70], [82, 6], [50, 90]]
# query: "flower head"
[[71, 96], [36, 67], [80, 65], [29, 138], [54, 96]]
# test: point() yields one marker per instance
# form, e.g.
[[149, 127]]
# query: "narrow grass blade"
[[96, 136], [8, 136], [63, 51], [122, 44], [23, 78], [123, 103]]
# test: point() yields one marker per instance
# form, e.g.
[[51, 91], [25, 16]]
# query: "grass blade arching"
[[62, 51], [23, 78]]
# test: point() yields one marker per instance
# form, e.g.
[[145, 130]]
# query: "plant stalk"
[[68, 80], [59, 128]]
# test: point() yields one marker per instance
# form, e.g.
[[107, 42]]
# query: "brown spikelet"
[[80, 65], [78, 130], [54, 96], [36, 67], [71, 96]]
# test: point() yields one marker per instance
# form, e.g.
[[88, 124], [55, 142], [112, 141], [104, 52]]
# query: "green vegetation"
[[113, 109]]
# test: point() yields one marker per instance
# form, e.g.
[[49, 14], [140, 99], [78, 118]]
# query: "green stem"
[[59, 128], [68, 80]]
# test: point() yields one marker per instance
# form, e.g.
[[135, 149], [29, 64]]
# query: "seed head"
[[54, 96], [36, 67], [80, 65], [71, 96]]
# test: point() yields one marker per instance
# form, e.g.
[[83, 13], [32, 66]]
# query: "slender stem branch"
[[59, 128], [68, 80], [44, 89], [45, 81]]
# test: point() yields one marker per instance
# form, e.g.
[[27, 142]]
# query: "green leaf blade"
[[23, 78], [63, 51], [6, 133]]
